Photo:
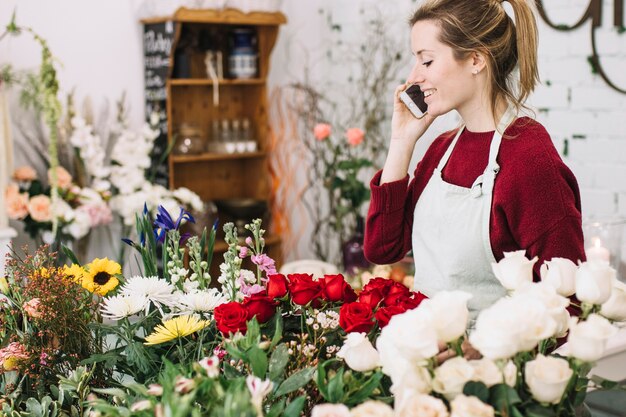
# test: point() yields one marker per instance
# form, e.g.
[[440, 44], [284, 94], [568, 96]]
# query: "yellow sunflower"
[[175, 328], [74, 273], [100, 276]]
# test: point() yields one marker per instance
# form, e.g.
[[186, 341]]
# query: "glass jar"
[[603, 241], [189, 140]]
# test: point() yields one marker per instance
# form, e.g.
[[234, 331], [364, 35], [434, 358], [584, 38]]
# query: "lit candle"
[[597, 252]]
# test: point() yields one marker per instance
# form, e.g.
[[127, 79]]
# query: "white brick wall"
[[579, 108]]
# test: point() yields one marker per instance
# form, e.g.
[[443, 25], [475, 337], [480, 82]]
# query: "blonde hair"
[[484, 26]]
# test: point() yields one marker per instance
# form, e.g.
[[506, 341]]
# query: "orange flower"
[[64, 179], [355, 136], [39, 208], [321, 131], [16, 202], [24, 173]]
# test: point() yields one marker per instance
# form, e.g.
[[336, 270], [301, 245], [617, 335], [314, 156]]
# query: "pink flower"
[[99, 213], [220, 352], [355, 136], [249, 241], [24, 173], [243, 252], [11, 354], [321, 131], [264, 262], [32, 308], [211, 365], [39, 208], [16, 202], [64, 179]]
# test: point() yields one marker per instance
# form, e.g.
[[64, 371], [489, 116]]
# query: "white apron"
[[451, 245]]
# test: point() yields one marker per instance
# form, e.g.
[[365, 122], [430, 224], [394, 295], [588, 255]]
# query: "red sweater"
[[535, 206]]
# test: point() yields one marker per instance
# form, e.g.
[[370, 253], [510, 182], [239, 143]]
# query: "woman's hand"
[[468, 352], [405, 126]]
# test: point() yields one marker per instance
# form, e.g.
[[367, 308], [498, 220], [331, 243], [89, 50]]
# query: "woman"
[[495, 185]]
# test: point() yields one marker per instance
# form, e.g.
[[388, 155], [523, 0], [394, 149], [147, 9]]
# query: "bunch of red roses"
[[380, 300]]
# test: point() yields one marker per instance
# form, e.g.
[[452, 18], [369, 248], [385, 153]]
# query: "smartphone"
[[413, 98]]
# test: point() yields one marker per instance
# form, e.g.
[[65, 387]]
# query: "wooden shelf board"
[[223, 17], [209, 82], [221, 246], [181, 159]]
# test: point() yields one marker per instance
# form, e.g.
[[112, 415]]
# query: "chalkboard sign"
[[157, 46]]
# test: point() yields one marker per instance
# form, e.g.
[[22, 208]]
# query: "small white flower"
[[121, 306], [247, 276], [615, 307], [141, 405], [464, 406], [486, 371], [372, 409], [451, 376], [211, 365], [587, 339], [421, 405], [259, 389], [158, 291], [560, 273], [330, 410], [200, 301], [594, 281]]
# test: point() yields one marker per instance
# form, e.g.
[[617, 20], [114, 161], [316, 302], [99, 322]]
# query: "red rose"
[[231, 317], [260, 306], [335, 288], [303, 288], [356, 317], [409, 303], [277, 286], [384, 314], [396, 292], [379, 283], [371, 297]]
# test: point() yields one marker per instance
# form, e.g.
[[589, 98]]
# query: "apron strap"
[[444, 159]]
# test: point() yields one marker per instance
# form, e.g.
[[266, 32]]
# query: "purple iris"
[[164, 223]]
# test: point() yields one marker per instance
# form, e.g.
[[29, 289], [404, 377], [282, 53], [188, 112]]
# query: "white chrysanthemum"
[[200, 301], [156, 290], [120, 306]]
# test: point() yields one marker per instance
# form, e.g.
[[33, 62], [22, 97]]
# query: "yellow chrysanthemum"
[[74, 273], [10, 363], [175, 328], [4, 285], [100, 276]]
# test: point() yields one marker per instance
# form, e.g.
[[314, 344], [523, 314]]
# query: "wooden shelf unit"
[[217, 176]]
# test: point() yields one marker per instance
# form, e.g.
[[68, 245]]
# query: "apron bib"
[[451, 245]]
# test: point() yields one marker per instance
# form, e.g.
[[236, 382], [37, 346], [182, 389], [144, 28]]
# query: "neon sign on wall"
[[593, 12]]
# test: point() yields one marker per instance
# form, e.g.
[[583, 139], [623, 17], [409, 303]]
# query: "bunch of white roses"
[[514, 336]]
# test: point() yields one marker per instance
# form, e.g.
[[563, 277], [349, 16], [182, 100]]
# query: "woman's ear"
[[478, 62]]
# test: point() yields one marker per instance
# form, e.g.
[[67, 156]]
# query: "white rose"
[[514, 269], [372, 409], [421, 406], [547, 378], [594, 281], [560, 273], [450, 314], [486, 371], [359, 353], [556, 304], [413, 334], [587, 340], [451, 376], [615, 307], [464, 406], [510, 374], [330, 410], [414, 380]]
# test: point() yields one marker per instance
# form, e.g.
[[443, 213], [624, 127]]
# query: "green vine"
[[49, 104]]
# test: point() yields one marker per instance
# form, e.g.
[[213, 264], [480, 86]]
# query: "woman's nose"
[[415, 76]]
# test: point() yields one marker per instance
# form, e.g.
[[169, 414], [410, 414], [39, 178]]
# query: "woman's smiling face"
[[447, 83]]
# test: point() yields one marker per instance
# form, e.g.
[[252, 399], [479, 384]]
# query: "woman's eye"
[[427, 64]]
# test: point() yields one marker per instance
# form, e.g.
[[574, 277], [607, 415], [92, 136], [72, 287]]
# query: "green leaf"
[[114, 392], [295, 381], [365, 391], [502, 397], [33, 407], [477, 389], [278, 361], [516, 413], [278, 329], [335, 387], [276, 409], [258, 361], [294, 409], [535, 410], [70, 254]]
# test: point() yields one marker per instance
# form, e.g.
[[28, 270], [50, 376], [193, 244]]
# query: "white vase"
[[6, 234]]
